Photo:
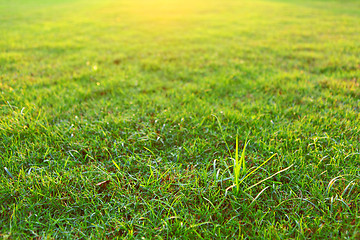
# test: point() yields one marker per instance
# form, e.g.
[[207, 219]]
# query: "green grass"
[[129, 92]]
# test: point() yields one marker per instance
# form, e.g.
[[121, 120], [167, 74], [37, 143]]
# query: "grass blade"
[[257, 168]]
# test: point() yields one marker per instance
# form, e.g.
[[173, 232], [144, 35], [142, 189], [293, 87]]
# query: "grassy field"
[[128, 119]]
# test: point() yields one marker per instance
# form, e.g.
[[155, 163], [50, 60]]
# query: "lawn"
[[180, 119]]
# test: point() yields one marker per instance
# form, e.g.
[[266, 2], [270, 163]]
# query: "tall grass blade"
[[242, 160], [237, 165]]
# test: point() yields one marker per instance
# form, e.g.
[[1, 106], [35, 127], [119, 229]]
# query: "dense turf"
[[150, 96]]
